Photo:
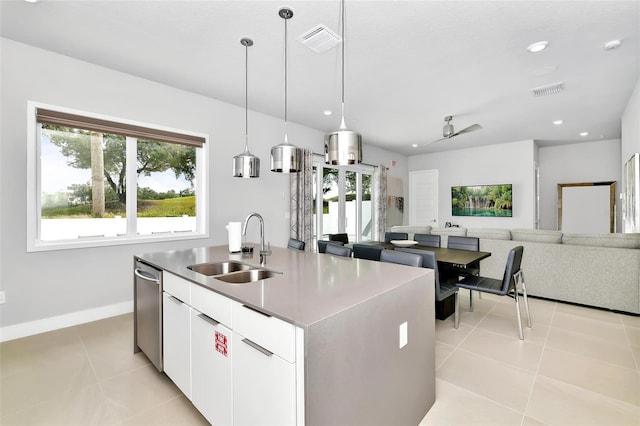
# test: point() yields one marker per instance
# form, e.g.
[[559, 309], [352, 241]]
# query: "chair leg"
[[456, 312], [471, 300], [515, 297], [526, 301]]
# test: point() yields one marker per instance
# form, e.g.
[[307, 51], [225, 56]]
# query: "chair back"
[[514, 259], [428, 240], [429, 261], [338, 250], [322, 245], [362, 251], [389, 236], [463, 243], [295, 244], [339, 237], [393, 256]]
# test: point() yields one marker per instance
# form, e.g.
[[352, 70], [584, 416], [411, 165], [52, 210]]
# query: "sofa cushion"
[[491, 233], [603, 240], [454, 230], [411, 230], [537, 235]]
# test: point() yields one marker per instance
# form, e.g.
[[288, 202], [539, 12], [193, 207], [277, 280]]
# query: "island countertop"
[[308, 288]]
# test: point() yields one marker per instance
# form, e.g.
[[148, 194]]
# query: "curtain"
[[302, 201], [380, 202]]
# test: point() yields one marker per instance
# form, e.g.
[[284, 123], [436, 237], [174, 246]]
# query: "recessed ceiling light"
[[327, 112], [557, 122], [538, 46], [584, 133], [32, 1], [612, 44], [415, 145]]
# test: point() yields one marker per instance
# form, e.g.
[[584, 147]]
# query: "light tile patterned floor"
[[577, 366]]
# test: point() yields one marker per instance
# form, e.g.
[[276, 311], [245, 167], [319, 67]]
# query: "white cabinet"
[[176, 334], [264, 386], [211, 352]]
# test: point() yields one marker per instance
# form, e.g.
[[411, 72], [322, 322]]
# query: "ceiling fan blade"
[[471, 128], [441, 139]]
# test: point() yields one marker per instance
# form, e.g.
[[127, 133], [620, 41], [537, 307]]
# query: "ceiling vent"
[[549, 89], [320, 39]]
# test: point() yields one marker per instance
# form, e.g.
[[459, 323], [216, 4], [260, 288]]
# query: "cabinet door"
[[211, 351], [264, 387], [176, 334]]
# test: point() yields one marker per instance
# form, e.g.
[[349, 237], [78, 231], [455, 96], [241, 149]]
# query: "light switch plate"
[[403, 335]]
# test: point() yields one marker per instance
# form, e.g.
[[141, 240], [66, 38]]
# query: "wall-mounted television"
[[481, 200]]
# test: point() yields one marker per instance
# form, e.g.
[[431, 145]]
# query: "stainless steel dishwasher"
[[147, 312]]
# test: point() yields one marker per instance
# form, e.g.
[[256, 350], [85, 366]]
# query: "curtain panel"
[[380, 203], [302, 200]]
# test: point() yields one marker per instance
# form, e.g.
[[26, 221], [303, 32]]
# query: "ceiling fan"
[[448, 132]]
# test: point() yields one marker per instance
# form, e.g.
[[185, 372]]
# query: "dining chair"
[[339, 237], [471, 244], [338, 250], [428, 240], [442, 290], [363, 251], [389, 236], [393, 256], [322, 245], [296, 244], [508, 286]]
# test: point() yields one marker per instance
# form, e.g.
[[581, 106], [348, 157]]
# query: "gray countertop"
[[312, 286]]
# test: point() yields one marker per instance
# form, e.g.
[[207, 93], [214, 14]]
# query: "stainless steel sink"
[[219, 268], [248, 276]]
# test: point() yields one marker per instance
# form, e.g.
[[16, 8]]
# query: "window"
[[345, 201], [100, 181]]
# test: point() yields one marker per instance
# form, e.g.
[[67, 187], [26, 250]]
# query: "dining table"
[[450, 263]]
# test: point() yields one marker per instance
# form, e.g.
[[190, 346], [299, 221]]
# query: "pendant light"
[[342, 146], [286, 158], [246, 165]]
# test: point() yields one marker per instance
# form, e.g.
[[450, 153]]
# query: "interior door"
[[423, 198]]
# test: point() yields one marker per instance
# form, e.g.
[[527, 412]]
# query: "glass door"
[[343, 195]]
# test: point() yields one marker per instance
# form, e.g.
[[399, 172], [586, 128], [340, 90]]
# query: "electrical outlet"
[[2, 297], [403, 335]]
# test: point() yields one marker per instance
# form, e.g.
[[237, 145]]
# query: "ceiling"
[[408, 63]]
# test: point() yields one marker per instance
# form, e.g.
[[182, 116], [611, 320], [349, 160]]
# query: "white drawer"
[[211, 304], [269, 332], [177, 287]]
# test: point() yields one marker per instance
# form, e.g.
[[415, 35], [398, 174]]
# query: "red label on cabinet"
[[221, 343]]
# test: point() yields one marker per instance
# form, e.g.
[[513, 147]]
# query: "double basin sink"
[[232, 272]]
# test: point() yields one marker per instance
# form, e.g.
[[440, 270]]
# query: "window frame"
[[34, 178]]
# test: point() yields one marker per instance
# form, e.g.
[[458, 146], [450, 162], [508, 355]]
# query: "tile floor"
[[577, 366]]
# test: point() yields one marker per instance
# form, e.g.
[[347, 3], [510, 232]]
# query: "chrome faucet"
[[263, 253]]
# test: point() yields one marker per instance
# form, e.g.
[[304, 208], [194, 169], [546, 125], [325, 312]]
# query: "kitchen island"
[[348, 341]]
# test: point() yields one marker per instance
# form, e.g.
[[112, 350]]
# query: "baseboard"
[[30, 328]]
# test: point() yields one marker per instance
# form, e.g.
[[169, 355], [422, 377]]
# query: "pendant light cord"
[[285, 77], [342, 35], [246, 98]]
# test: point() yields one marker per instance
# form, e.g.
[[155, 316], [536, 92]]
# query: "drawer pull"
[[175, 299], [257, 347], [208, 319], [257, 311]]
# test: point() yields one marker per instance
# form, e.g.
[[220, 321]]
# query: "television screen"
[[481, 200]]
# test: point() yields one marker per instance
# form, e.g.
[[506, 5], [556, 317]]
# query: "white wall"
[[583, 162], [631, 126], [496, 164], [58, 283]]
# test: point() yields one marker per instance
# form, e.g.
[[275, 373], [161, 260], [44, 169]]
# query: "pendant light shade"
[[343, 146], [246, 165], [285, 158]]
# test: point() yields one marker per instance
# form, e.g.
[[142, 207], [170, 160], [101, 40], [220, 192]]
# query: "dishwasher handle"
[[140, 274]]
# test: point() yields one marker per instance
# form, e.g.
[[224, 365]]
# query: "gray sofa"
[[595, 270]]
